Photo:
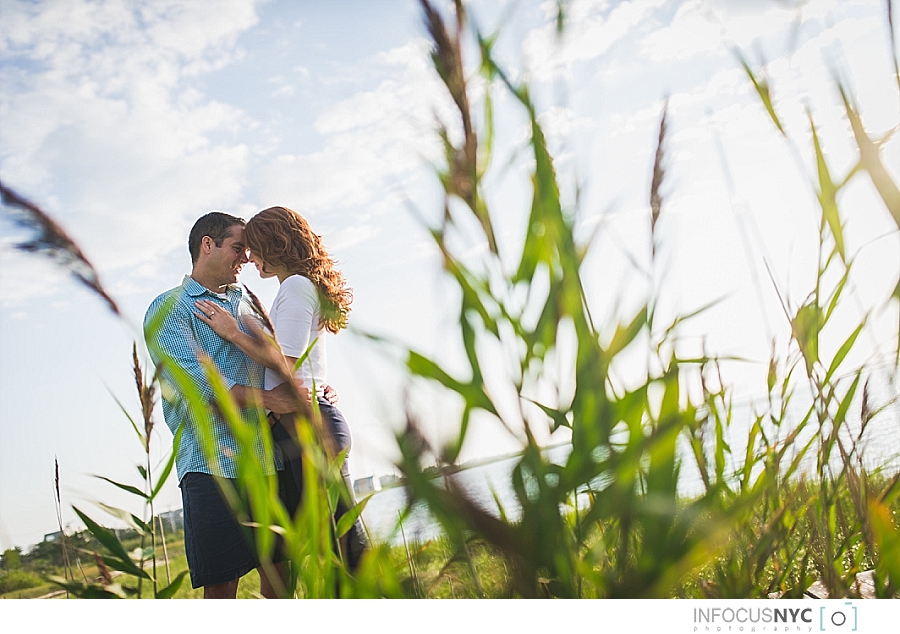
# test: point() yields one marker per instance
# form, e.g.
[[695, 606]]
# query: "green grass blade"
[[125, 487], [128, 416], [121, 558], [870, 158], [887, 537], [762, 89], [843, 351], [169, 591], [167, 469], [91, 590], [828, 194], [348, 519], [129, 518], [805, 326]]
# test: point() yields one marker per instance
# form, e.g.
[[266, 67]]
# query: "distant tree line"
[[20, 570]]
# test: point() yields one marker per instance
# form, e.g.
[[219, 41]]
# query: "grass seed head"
[[659, 173], [52, 241], [102, 569], [260, 310]]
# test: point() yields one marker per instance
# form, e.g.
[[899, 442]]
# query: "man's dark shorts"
[[218, 548]]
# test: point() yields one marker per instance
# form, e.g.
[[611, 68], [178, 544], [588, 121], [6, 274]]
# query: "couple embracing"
[[210, 316]]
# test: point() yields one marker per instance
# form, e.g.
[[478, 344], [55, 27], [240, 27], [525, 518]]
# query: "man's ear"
[[206, 244]]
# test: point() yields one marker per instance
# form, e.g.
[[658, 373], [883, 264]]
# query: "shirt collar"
[[195, 289]]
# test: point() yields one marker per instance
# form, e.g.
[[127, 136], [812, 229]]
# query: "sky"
[[127, 120]]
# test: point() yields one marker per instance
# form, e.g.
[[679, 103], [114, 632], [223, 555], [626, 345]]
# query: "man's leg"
[[219, 550], [273, 580], [226, 590]]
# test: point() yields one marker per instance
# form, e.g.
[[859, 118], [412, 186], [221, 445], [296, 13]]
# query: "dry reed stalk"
[[102, 569], [62, 533], [145, 396], [162, 534], [454, 500], [409, 561], [447, 58], [81, 569], [659, 173], [890, 19], [866, 414], [51, 240], [462, 179], [260, 310]]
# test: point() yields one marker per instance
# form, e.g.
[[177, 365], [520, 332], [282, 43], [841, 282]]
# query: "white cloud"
[[702, 27], [373, 140], [351, 236], [18, 273], [286, 85], [412, 94], [191, 29], [694, 30], [557, 122], [100, 111], [591, 31], [284, 91]]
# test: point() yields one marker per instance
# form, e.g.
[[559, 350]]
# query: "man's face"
[[225, 262]]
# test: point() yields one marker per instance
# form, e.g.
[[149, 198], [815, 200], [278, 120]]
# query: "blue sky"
[[128, 120]]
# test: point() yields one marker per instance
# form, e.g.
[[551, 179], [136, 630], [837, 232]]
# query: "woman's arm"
[[258, 345]]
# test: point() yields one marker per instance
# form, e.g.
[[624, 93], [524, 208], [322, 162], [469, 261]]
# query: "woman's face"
[[264, 271]]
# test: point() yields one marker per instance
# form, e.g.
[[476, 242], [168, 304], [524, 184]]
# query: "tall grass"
[[797, 504], [67, 569], [610, 521], [133, 563]]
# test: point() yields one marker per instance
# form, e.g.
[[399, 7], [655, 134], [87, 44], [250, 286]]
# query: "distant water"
[[489, 483]]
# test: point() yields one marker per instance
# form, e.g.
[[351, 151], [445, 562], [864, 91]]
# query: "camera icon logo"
[[843, 618]]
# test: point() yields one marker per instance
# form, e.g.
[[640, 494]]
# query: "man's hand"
[[282, 399], [330, 394]]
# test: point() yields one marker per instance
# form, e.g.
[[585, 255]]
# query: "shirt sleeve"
[[175, 342], [296, 308]]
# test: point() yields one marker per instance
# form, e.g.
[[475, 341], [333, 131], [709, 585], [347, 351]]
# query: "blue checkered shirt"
[[179, 338]]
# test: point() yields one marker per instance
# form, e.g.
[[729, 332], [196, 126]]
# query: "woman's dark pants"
[[291, 479]]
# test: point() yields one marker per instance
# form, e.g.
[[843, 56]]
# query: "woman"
[[312, 298]]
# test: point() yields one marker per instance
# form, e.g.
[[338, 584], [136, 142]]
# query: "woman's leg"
[[354, 542], [290, 480]]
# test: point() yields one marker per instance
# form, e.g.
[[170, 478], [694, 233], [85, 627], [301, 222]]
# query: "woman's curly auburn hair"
[[281, 236]]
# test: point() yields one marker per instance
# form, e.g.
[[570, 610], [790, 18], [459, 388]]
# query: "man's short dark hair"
[[216, 225]]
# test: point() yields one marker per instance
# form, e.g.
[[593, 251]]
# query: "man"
[[216, 544]]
